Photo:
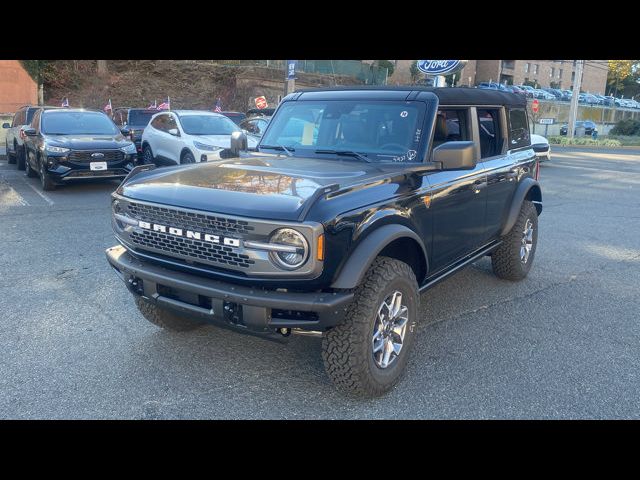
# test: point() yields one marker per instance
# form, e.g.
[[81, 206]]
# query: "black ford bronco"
[[356, 201]]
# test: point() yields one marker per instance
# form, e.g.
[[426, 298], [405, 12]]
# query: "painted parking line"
[[44, 196]]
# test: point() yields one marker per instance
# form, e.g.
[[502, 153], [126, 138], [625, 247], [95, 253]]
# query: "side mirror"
[[174, 132], [125, 131], [6, 125], [455, 155], [238, 143], [29, 132]]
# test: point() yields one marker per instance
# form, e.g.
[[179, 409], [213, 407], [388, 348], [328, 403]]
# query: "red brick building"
[[17, 88]]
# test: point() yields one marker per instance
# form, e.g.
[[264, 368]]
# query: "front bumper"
[[248, 308], [62, 170]]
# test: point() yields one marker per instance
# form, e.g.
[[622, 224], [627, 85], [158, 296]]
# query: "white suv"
[[187, 136]]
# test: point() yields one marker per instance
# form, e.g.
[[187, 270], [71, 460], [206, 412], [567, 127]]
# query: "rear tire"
[[11, 157], [21, 158], [28, 171], [349, 349], [514, 257], [164, 318]]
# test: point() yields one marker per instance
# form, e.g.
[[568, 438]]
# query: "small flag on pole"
[[65, 102], [153, 106], [218, 107], [108, 108], [165, 105]]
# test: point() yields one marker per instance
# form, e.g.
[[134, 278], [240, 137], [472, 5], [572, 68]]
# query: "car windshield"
[[379, 131], [78, 123], [141, 117], [208, 125]]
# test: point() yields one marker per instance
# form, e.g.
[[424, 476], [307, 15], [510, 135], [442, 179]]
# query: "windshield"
[[380, 131], [141, 117], [78, 123], [208, 125]]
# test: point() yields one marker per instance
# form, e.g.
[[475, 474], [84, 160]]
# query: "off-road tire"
[[347, 349], [164, 318], [505, 260], [147, 156]]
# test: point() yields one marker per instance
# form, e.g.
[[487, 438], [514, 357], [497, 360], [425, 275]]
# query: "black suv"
[[356, 201], [589, 127], [132, 122], [76, 144]]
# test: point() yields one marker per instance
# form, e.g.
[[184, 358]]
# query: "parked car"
[[335, 234], [541, 146], [187, 136], [589, 127], [254, 126], [528, 89], [566, 95], [493, 86], [65, 144], [132, 122], [14, 141], [588, 99], [557, 94], [516, 89], [236, 117], [542, 95]]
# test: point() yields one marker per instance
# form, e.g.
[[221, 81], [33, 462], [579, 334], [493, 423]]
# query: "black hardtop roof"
[[446, 95]]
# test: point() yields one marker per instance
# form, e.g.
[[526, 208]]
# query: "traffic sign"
[[535, 106], [547, 121], [261, 102]]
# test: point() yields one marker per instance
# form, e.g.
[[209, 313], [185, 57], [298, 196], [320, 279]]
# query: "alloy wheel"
[[389, 330]]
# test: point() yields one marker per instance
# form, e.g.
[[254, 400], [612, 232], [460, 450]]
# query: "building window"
[[508, 64], [535, 69], [573, 76], [553, 72], [560, 73], [526, 67]]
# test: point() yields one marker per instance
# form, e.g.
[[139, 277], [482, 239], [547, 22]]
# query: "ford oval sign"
[[440, 67]]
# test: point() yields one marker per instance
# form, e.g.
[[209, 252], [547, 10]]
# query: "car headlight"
[[129, 149], [294, 256], [53, 149], [205, 147]]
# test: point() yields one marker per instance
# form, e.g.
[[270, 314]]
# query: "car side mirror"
[[238, 143], [29, 132], [455, 155], [174, 132], [6, 125], [125, 131]]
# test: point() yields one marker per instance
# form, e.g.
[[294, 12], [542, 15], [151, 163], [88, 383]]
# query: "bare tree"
[[102, 67]]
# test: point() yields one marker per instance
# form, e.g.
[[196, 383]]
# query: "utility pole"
[[573, 109]]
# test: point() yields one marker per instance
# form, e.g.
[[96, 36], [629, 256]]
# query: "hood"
[[223, 141], [89, 142], [536, 139], [269, 187]]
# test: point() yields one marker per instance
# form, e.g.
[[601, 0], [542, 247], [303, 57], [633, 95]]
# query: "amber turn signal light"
[[320, 252]]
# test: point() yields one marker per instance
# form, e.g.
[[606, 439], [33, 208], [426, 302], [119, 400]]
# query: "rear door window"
[[518, 128], [490, 133]]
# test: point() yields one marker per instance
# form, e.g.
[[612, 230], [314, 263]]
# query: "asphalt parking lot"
[[564, 343]]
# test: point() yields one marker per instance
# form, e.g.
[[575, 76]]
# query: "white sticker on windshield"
[[404, 113], [407, 157]]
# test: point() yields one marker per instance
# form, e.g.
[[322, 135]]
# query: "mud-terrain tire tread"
[[505, 260], [345, 346]]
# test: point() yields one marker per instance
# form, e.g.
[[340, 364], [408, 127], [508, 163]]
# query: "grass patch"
[[588, 141]]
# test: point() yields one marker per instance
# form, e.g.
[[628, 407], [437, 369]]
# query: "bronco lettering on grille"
[[181, 232]]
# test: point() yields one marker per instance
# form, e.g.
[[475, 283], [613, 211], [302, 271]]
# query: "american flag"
[[165, 105], [107, 107], [218, 107], [154, 106], [65, 102]]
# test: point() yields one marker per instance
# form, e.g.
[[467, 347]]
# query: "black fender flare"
[[527, 186], [367, 250]]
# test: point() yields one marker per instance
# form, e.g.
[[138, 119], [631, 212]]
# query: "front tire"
[[147, 156], [45, 180], [514, 257], [367, 354], [28, 171], [21, 158], [164, 318], [11, 157], [187, 158]]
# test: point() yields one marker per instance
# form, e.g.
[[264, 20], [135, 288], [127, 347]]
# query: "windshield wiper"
[[348, 153], [281, 148]]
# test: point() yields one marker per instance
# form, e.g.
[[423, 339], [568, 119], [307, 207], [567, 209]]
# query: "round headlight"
[[297, 252]]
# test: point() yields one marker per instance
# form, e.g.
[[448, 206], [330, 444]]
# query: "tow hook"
[[285, 332]]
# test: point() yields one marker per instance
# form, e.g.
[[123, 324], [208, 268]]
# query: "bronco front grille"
[[192, 249], [85, 156], [191, 220]]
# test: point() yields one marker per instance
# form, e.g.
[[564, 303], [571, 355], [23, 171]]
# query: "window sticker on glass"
[[404, 113], [407, 157], [307, 133]]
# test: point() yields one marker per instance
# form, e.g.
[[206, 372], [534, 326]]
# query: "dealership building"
[[544, 73]]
